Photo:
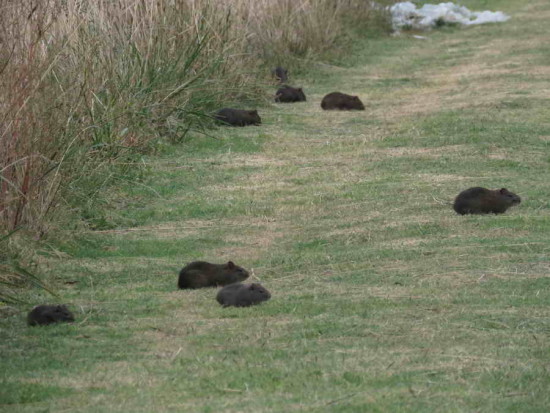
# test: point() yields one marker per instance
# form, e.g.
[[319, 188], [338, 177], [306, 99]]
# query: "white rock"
[[405, 14]]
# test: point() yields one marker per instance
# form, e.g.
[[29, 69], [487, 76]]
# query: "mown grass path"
[[383, 298]]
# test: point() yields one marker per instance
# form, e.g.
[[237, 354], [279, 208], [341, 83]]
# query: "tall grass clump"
[[86, 86], [87, 83], [287, 31]]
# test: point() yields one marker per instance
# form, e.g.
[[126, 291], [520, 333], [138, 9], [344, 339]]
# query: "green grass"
[[384, 300]]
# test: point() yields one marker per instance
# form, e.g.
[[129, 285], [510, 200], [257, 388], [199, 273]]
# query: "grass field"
[[384, 300]]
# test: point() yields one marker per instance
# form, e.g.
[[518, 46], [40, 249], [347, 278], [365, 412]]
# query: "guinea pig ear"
[[503, 190], [230, 265], [254, 112], [300, 89]]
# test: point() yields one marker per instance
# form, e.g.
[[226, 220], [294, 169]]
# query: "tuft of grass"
[[17, 271]]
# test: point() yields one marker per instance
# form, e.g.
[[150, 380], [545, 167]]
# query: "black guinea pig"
[[288, 94], [280, 74], [341, 101], [238, 117], [49, 314], [200, 274], [480, 200], [242, 295]]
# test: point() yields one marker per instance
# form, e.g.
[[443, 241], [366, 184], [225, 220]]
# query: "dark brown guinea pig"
[[238, 117], [49, 314], [242, 295], [288, 94], [479, 200], [280, 74], [341, 101], [200, 274]]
